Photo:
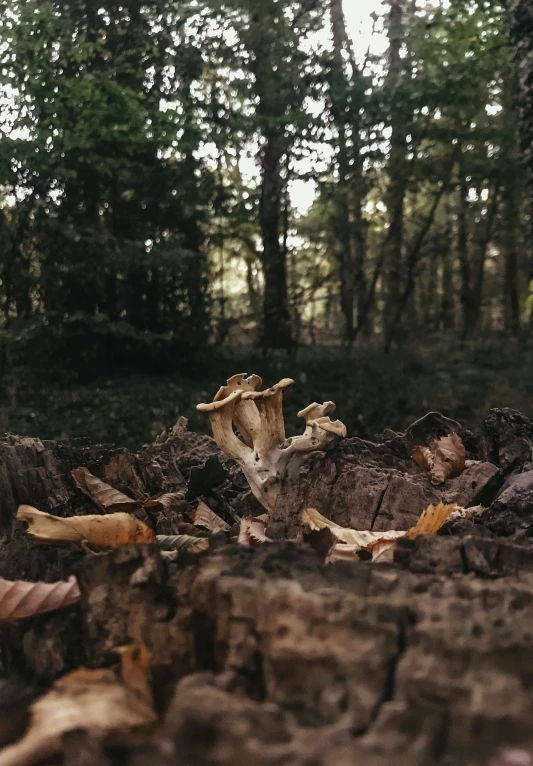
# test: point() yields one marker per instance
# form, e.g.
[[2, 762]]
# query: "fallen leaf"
[[363, 539], [183, 543], [203, 516], [423, 457], [99, 531], [106, 497], [350, 542], [91, 700], [20, 599], [383, 551], [431, 520], [252, 531], [170, 501], [443, 457]]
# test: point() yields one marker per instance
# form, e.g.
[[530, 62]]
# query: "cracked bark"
[[266, 656]]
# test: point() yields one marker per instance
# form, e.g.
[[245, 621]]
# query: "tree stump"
[[268, 656]]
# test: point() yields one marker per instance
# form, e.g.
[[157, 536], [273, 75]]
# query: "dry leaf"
[[381, 544], [183, 543], [20, 599], [431, 520], [106, 497], [171, 501], [423, 457], [443, 458], [383, 551], [203, 516], [99, 531], [92, 700], [363, 539], [252, 531]]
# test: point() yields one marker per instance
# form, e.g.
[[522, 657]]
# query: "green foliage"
[[373, 391], [150, 155]]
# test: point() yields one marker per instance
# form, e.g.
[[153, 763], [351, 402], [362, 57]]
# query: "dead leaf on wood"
[[363, 539], [91, 700], [252, 530], [431, 520], [99, 531], [384, 551], [170, 501], [350, 542], [443, 458], [183, 543], [19, 599], [203, 516], [106, 497]]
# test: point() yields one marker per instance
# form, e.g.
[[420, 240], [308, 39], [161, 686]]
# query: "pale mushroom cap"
[[218, 404], [336, 427], [281, 386], [238, 382], [314, 410]]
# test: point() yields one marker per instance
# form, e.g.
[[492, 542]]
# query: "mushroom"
[[261, 448]]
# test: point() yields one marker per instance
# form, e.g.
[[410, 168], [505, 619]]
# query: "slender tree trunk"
[[349, 221], [522, 40], [511, 306], [462, 252], [397, 171], [479, 275], [276, 317], [447, 318]]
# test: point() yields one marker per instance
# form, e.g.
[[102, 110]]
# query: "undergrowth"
[[373, 391]]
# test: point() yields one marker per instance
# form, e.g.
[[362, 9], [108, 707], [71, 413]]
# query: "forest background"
[[330, 190]]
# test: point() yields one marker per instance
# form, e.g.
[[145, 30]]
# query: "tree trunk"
[[479, 276], [397, 170], [276, 318], [462, 252], [351, 186], [522, 40]]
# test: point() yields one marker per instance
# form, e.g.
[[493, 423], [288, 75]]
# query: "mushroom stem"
[[263, 452]]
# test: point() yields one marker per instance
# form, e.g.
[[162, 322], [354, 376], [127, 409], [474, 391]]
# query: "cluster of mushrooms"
[[248, 427]]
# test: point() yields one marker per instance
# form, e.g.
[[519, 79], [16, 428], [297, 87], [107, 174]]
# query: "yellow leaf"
[[99, 531], [431, 520]]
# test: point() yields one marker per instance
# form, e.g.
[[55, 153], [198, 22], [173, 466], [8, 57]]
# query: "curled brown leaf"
[[104, 495], [19, 599], [443, 458], [203, 516]]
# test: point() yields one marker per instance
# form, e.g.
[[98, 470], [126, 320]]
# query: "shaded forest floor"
[[372, 390]]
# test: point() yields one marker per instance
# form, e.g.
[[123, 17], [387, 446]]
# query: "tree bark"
[[265, 655], [397, 170], [522, 41], [349, 223]]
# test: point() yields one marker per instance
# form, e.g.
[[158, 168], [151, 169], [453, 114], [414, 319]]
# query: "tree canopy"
[[154, 157]]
